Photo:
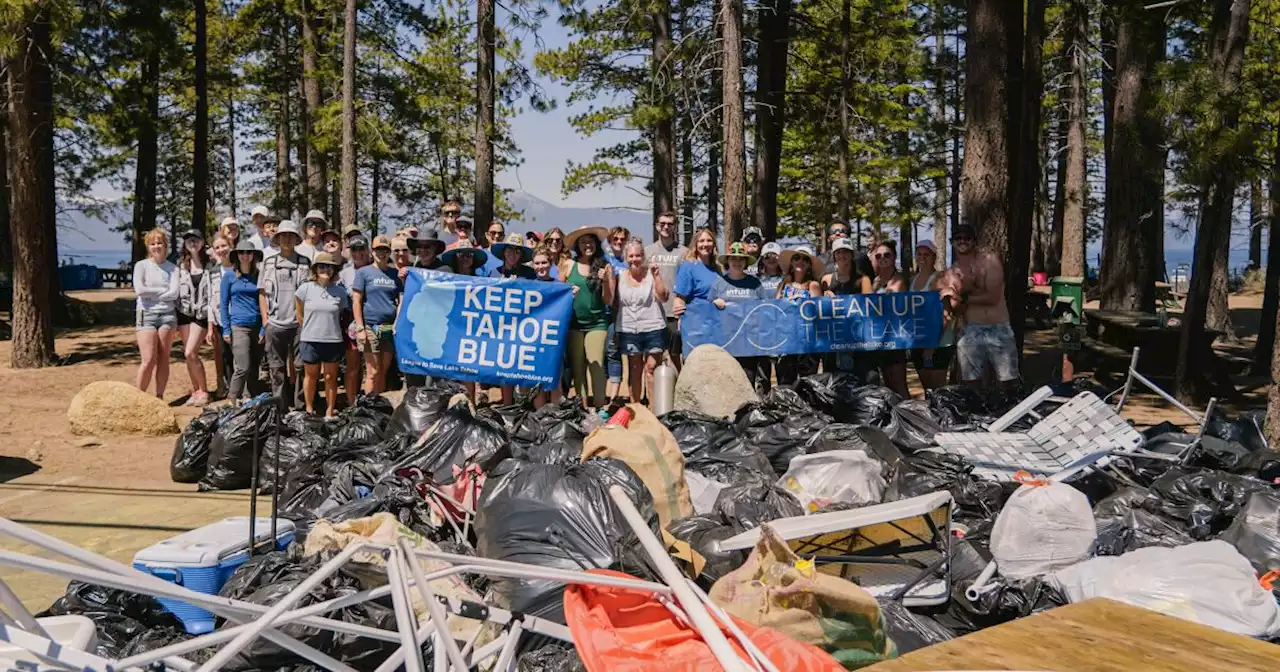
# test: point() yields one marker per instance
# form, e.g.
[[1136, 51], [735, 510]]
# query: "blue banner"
[[486, 330], [828, 324]]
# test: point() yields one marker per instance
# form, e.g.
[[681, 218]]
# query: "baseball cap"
[[770, 248], [752, 231], [259, 210], [230, 221], [843, 244], [965, 231], [358, 240], [350, 230], [928, 244], [381, 241]]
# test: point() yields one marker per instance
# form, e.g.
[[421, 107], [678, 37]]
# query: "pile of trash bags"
[[531, 486]]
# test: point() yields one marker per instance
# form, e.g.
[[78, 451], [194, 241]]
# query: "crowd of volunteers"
[[311, 301]]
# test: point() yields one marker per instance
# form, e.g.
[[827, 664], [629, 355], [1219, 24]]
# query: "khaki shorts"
[[380, 338]]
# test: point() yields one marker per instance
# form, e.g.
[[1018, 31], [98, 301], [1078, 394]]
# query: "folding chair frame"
[[1202, 421]]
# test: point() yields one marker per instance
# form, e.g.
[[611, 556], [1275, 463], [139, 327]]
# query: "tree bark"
[[1107, 33], [317, 169], [984, 180], [1229, 32], [735, 166], [940, 195], [231, 150], [144, 177], [486, 36], [1072, 171], [771, 98], [1025, 157], [664, 135], [200, 165], [1264, 348], [349, 115], [35, 288], [843, 155], [283, 205], [1257, 219], [6, 233]]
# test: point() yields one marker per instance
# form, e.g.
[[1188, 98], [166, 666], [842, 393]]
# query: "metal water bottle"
[[664, 388]]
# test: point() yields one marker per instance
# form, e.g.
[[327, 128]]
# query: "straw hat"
[[804, 250], [514, 240], [571, 240]]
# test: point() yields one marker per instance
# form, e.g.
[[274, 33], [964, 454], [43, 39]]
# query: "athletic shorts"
[[941, 360], [187, 319], [980, 346], [322, 353], [147, 320], [643, 343]]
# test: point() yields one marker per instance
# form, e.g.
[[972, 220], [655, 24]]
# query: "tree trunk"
[[374, 192], [487, 38], [713, 190], [317, 169], [1025, 157], [688, 197], [1229, 32], [200, 166], [735, 166], [1264, 348], [283, 205], [144, 178], [1072, 170], [957, 104], [664, 134], [1057, 248], [771, 98], [1257, 219], [35, 288], [984, 180], [6, 233], [843, 154], [349, 115], [1107, 33], [231, 151], [940, 196]]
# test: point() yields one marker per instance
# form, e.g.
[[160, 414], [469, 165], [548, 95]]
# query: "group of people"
[[313, 298]]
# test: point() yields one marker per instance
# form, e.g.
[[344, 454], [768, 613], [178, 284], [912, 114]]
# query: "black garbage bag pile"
[[551, 658], [1205, 501], [1001, 600], [841, 396], [364, 422], [702, 533], [556, 515], [910, 631], [506, 416], [121, 618], [752, 498], [959, 408], [779, 426], [456, 438], [976, 500], [552, 434], [422, 406], [191, 449], [1255, 532], [713, 447], [231, 450]]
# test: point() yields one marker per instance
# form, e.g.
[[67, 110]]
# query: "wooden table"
[[1122, 331], [1097, 635]]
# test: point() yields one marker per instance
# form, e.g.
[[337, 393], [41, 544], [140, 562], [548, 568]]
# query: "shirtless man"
[[985, 337]]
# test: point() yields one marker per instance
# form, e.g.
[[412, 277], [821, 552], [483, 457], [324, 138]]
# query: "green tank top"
[[589, 311]]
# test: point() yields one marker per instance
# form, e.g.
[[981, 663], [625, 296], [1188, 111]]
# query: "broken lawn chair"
[[897, 550]]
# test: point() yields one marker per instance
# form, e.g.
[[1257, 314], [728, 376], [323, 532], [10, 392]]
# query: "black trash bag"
[[365, 422], [779, 426], [842, 397], [1255, 532], [191, 449], [458, 438], [702, 533], [345, 473], [1000, 602], [505, 416], [297, 453], [1222, 427], [422, 406], [551, 434], [1250, 426], [826, 391], [837, 436], [926, 472], [158, 637], [1210, 451], [910, 631], [555, 515], [960, 408], [1165, 427], [1136, 529], [301, 423], [916, 425], [551, 658], [706, 441], [264, 579], [752, 499], [1206, 500], [1263, 465], [231, 451], [119, 616]]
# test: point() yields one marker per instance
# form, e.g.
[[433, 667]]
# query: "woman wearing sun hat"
[[375, 301], [515, 256], [803, 270], [320, 304], [465, 258], [592, 280], [242, 320], [737, 286], [427, 247]]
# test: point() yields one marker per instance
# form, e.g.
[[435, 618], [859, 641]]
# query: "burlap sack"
[[652, 452], [775, 588]]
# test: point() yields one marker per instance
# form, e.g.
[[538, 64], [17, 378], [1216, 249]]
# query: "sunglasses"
[[839, 232], [452, 213], [555, 240], [961, 239], [885, 255], [495, 234]]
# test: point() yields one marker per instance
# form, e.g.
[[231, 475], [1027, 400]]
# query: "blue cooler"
[[202, 560]]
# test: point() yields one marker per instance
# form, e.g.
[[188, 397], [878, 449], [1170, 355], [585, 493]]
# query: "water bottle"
[[663, 394]]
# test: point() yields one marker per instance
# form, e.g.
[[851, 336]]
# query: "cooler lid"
[[206, 546]]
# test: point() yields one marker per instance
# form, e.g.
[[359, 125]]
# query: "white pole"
[[671, 575], [404, 613], [433, 607]]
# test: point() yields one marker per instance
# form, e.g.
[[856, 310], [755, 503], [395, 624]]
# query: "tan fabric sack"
[[652, 452]]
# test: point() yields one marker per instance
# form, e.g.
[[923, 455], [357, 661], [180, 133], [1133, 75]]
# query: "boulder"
[[110, 407], [712, 382]]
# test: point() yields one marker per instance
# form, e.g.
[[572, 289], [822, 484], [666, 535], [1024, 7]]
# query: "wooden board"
[[1096, 635]]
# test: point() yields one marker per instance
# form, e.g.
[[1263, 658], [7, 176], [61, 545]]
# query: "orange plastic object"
[[617, 630]]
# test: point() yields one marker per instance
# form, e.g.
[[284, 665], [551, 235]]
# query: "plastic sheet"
[[456, 439], [835, 477], [554, 515], [231, 450], [421, 407], [191, 449], [753, 499], [1255, 532], [779, 426]]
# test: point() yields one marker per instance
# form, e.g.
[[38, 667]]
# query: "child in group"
[[321, 303]]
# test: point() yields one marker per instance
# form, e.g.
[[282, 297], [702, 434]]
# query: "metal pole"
[[275, 479], [745, 641], [433, 607], [522, 571], [702, 621], [404, 613], [19, 611], [509, 651], [1128, 380], [253, 484]]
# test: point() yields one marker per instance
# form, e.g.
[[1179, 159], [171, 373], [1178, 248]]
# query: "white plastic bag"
[[1045, 526], [834, 476], [703, 492], [1208, 582]]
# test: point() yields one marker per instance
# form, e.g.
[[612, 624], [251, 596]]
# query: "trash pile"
[[1185, 526]]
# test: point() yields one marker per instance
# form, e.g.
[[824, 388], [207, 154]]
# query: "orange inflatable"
[[617, 630]]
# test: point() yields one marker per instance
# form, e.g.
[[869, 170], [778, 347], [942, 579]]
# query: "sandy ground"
[[115, 497]]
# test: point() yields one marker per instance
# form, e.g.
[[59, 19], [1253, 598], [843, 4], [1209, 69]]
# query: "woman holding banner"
[[803, 271], [542, 269], [593, 286], [559, 253], [932, 364], [736, 285], [641, 324], [696, 278], [466, 259], [846, 279], [375, 299], [514, 255], [892, 363]]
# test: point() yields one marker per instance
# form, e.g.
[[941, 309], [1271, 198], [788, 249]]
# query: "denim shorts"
[[983, 346], [145, 320], [645, 342], [320, 353]]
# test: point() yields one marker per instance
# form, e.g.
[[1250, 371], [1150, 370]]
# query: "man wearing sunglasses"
[[861, 262], [985, 337], [667, 253], [449, 214], [752, 239]]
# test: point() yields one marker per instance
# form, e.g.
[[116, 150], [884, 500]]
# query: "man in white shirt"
[[313, 226], [259, 214], [269, 227]]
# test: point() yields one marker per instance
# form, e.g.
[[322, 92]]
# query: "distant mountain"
[[539, 215]]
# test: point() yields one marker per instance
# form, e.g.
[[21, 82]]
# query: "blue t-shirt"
[[746, 289], [380, 289], [696, 281], [239, 302], [769, 285], [619, 265], [491, 266]]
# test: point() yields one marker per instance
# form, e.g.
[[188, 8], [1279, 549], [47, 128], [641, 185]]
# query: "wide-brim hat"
[[315, 216], [514, 240], [247, 245], [479, 256], [785, 258], [736, 250], [571, 240], [287, 226], [427, 238], [326, 259]]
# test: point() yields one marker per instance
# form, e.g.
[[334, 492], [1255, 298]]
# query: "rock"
[[712, 382], [110, 407], [35, 455], [89, 442]]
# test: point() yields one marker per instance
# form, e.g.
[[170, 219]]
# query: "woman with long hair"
[[844, 280], [640, 322], [465, 260], [542, 268], [320, 303], [932, 364], [892, 363], [735, 286], [769, 272], [230, 229], [222, 266], [155, 282], [193, 310], [593, 286], [560, 254], [242, 326], [375, 300], [696, 278], [803, 271]]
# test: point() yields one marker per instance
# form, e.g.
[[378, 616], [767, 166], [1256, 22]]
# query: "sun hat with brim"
[[571, 240], [326, 259], [315, 216], [514, 240], [427, 238], [286, 226], [248, 246], [737, 250], [479, 257], [381, 241], [805, 251]]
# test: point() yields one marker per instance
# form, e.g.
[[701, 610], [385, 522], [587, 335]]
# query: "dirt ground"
[[113, 495]]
